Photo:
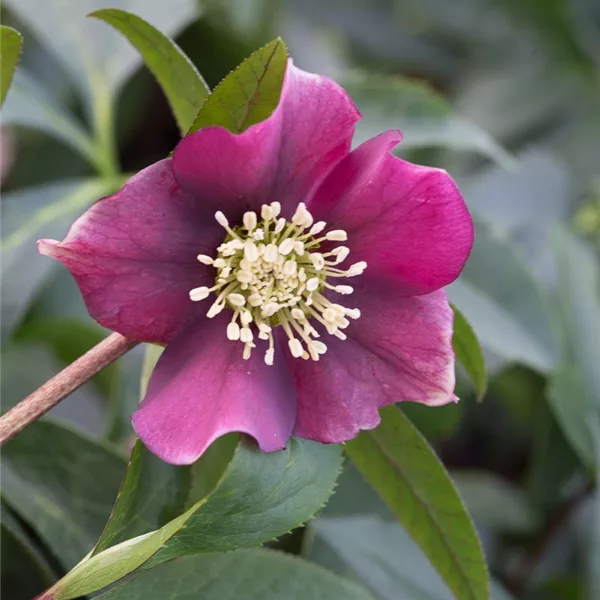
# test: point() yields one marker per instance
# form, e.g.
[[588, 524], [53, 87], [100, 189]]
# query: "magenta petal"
[[202, 389], [280, 159], [133, 255], [408, 222], [400, 349]]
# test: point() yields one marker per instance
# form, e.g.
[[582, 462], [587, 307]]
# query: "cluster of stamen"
[[270, 273]]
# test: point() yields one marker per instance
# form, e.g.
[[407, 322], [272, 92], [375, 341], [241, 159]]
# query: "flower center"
[[270, 273]]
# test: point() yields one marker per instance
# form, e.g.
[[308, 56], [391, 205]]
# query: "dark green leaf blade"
[[62, 484], [249, 94], [11, 44], [469, 353], [184, 87], [399, 463], [251, 574], [261, 496]]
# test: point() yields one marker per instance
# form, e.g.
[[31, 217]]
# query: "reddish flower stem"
[[60, 386]]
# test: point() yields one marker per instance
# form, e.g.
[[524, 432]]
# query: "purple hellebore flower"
[[276, 350]]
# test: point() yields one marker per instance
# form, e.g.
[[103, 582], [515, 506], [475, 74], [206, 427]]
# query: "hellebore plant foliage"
[[229, 254], [296, 285]]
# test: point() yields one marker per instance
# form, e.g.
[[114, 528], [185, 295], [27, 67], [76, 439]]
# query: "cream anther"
[[236, 299], [286, 246], [250, 251], [266, 212], [204, 259], [270, 356], [199, 293], [246, 334], [295, 347], [343, 289], [337, 235], [233, 332], [312, 284], [221, 219], [250, 221]]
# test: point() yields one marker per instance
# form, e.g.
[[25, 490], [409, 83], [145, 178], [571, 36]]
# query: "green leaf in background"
[[69, 339], [260, 496], [251, 574], [249, 94], [183, 85], [385, 558], [424, 117], [397, 461], [495, 502], [11, 43], [94, 55], [30, 214], [23, 563], [468, 353], [62, 484], [579, 279], [30, 105], [593, 548], [574, 411], [504, 303]]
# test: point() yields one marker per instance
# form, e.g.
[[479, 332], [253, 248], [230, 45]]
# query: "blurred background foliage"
[[505, 94]]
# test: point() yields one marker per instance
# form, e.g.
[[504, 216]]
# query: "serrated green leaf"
[[260, 496], [30, 214], [11, 44], [505, 304], [398, 462], [252, 574], [424, 117], [249, 94], [182, 84], [62, 484], [469, 353]]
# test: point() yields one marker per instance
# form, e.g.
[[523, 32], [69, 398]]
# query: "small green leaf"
[[257, 573], [151, 357], [260, 496], [398, 462], [469, 353], [183, 85], [62, 484], [11, 44], [249, 94], [424, 117]]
